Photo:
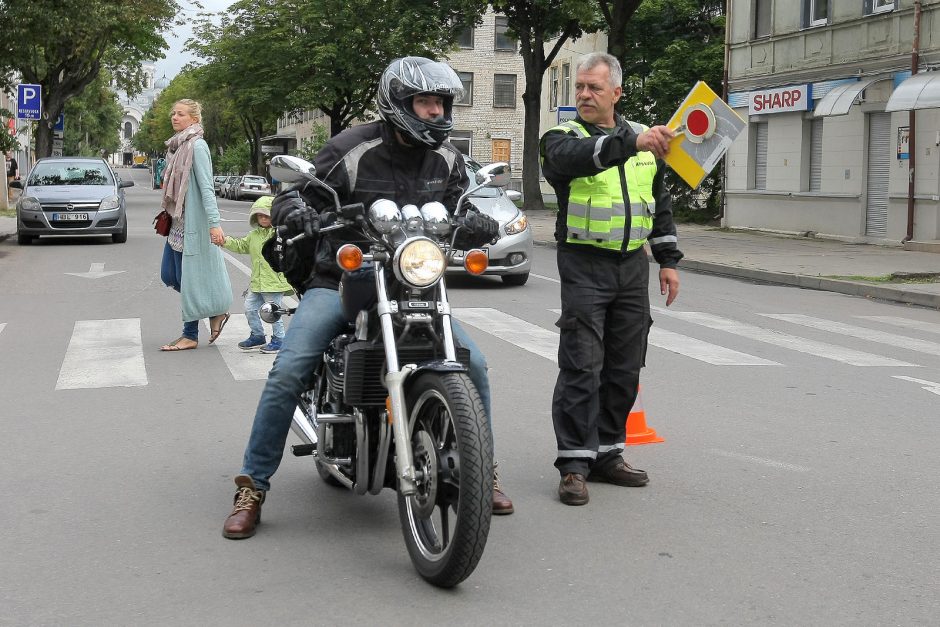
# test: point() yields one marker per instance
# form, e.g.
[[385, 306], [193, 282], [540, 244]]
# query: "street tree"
[[534, 23], [62, 45], [92, 119]]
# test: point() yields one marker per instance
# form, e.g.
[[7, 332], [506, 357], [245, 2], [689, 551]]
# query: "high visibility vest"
[[597, 213]]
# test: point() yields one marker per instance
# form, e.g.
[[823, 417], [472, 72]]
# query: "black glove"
[[295, 215], [476, 229]]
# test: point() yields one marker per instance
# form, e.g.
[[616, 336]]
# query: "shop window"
[[465, 38], [763, 18], [879, 6], [504, 90], [467, 79], [553, 89], [462, 141], [503, 40], [815, 13], [501, 150]]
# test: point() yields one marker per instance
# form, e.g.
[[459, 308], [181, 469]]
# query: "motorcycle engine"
[[336, 366]]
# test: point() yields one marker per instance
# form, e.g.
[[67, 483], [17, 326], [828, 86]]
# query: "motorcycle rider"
[[404, 157]]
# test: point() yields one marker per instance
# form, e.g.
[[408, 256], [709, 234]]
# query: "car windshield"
[[65, 173], [254, 180], [483, 192]]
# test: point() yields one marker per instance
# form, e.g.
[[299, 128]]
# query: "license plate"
[[68, 217], [255, 187]]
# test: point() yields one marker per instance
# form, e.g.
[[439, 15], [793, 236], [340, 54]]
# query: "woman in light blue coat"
[[192, 261]]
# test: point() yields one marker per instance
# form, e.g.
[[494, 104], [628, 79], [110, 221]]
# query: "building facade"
[[134, 110], [836, 118]]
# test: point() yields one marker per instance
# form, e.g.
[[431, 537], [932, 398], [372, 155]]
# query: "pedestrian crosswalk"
[[110, 353]]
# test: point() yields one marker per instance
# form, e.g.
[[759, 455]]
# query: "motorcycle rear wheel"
[[446, 523]]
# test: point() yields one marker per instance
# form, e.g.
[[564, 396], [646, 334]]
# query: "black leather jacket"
[[365, 163]]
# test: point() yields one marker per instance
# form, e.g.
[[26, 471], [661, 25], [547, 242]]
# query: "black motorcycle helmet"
[[407, 77]]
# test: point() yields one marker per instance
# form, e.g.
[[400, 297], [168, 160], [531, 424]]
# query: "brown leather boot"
[[246, 514], [502, 505], [572, 490]]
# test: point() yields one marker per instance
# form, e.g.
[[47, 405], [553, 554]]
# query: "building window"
[[465, 39], [128, 130], [503, 40], [501, 150], [462, 141], [763, 19], [879, 6], [565, 84], [760, 154], [815, 13], [815, 155], [504, 90], [553, 89], [467, 79]]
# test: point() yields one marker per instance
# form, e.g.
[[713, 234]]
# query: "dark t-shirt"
[[11, 167]]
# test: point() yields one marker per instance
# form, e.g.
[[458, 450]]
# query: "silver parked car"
[[71, 196], [510, 257], [251, 186]]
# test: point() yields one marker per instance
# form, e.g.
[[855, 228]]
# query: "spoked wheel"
[[446, 522]]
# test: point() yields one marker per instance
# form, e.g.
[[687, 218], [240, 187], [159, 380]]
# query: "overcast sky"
[[176, 58]]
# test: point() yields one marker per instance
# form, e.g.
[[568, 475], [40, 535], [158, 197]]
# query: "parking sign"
[[28, 101]]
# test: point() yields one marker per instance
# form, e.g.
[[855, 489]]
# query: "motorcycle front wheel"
[[446, 522]]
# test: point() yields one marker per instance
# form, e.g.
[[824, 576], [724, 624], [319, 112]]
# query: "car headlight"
[[518, 225], [419, 262], [109, 204], [28, 203]]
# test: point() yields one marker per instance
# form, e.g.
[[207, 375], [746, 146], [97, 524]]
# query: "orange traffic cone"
[[637, 431]]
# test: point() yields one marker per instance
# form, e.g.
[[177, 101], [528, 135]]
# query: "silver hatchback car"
[[510, 257], [71, 196]]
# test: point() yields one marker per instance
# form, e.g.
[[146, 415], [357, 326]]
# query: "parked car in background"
[[225, 190], [71, 196], [251, 186], [510, 257], [217, 183]]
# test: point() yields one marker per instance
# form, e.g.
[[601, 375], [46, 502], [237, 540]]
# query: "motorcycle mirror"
[[495, 174], [291, 169], [269, 312]]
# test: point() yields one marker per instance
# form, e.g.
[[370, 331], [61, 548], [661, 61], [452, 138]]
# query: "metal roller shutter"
[[879, 160], [760, 156], [815, 155]]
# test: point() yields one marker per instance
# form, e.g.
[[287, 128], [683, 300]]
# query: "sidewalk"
[[797, 261]]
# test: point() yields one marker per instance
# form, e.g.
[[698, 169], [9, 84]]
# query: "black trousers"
[[604, 323]]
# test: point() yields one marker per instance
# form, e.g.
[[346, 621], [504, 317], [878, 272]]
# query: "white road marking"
[[791, 342], [544, 278], [516, 331], [103, 354], [703, 351], [2, 325], [759, 460], [244, 365], [907, 323], [96, 271], [930, 386], [871, 335]]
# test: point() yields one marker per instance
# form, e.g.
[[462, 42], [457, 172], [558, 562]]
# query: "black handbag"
[[162, 223]]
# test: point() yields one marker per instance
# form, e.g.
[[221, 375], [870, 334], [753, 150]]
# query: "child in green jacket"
[[266, 284]]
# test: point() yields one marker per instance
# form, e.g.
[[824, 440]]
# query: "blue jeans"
[[253, 302], [171, 273], [319, 318]]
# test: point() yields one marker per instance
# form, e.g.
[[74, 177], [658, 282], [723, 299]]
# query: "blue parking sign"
[[28, 101], [59, 124]]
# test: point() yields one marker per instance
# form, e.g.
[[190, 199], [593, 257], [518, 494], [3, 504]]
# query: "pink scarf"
[[178, 164]]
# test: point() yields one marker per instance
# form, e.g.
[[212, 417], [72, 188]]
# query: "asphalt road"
[[796, 483]]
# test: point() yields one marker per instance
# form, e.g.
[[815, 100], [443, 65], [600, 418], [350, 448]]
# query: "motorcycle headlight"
[[109, 204], [28, 203], [518, 225], [419, 262]]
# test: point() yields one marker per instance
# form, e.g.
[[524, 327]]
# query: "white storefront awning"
[[841, 98], [920, 91]]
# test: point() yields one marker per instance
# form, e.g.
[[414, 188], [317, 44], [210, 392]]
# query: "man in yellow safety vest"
[[608, 179]]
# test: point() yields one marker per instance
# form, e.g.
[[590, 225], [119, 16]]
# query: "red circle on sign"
[[697, 123]]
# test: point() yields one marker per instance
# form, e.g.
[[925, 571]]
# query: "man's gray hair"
[[593, 59]]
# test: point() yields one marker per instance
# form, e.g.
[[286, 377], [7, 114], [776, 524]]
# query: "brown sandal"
[[175, 345], [217, 328]]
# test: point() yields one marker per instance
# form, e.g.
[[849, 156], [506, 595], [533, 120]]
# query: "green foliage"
[[675, 44], [310, 146], [62, 45], [91, 120], [7, 141], [236, 159]]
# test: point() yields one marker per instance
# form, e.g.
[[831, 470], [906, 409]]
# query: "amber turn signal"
[[475, 261], [349, 257]]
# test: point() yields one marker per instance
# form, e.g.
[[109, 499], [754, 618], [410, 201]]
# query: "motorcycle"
[[392, 404]]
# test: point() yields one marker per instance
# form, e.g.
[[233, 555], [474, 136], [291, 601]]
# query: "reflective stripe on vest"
[[596, 208]]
